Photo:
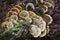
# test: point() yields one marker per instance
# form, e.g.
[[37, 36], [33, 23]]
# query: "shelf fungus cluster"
[[20, 21]]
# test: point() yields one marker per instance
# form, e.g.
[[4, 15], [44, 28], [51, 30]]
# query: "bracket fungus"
[[47, 18], [37, 25], [31, 14], [35, 30], [30, 6], [15, 10], [4, 24], [24, 14], [39, 22], [9, 25], [49, 4], [13, 18], [44, 8]]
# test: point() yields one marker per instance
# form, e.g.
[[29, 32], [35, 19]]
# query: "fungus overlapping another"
[[20, 21]]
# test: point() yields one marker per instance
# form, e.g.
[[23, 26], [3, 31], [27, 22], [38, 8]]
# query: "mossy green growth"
[[15, 28]]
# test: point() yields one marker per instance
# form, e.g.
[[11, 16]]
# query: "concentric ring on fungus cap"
[[15, 10], [4, 24], [35, 30], [31, 5], [24, 14], [31, 14], [29, 20], [9, 25], [13, 18], [44, 8], [48, 19], [40, 23], [11, 13]]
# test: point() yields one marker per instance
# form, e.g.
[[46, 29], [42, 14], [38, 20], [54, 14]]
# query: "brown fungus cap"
[[47, 18]]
